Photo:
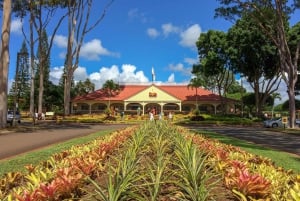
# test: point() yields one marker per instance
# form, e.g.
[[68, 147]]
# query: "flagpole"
[[152, 72]]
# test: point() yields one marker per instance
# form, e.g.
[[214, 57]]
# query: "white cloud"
[[191, 61], [136, 14], [60, 41], [190, 36], [153, 33], [180, 68], [169, 28], [16, 26], [55, 74], [128, 74], [80, 74], [93, 50], [171, 78]]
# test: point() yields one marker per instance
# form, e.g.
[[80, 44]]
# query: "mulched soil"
[[167, 193]]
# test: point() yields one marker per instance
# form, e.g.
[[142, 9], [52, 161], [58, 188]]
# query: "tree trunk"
[[32, 68], [286, 62], [41, 62], [256, 91], [292, 107], [67, 94], [4, 61], [41, 89]]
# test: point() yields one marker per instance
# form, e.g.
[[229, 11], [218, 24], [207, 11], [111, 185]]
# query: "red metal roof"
[[184, 93], [181, 92]]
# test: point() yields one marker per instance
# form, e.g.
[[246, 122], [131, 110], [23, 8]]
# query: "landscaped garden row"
[[155, 161]]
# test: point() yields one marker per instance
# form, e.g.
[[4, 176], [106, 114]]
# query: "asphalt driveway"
[[262, 136], [28, 138]]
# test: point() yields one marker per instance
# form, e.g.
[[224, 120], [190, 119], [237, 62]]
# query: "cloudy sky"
[[134, 37]]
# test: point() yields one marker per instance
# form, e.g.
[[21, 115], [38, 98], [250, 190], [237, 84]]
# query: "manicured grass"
[[17, 164], [281, 159]]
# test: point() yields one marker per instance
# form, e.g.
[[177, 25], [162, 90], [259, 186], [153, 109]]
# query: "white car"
[[273, 123], [10, 116]]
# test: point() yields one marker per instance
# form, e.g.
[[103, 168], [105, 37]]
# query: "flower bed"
[[155, 161]]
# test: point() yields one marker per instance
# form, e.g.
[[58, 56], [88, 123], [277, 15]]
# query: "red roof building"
[[141, 99]]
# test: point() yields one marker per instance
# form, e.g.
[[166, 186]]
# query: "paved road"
[[32, 138], [258, 135], [14, 143]]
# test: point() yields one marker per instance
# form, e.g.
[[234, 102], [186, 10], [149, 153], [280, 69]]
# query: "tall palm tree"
[[195, 82], [110, 87]]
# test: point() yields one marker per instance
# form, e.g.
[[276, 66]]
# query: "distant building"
[[141, 99]]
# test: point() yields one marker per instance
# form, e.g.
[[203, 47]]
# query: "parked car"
[[10, 116], [273, 123]]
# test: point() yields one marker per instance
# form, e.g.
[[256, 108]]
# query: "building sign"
[[284, 119], [152, 94]]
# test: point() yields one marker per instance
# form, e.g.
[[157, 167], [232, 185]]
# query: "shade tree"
[[272, 17], [214, 62], [256, 58]]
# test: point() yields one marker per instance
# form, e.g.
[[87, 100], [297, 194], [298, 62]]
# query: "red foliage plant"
[[240, 179]]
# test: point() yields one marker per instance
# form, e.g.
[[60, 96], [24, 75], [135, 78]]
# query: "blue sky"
[[135, 36]]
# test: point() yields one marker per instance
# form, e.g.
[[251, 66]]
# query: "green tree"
[[254, 56], [236, 88], [236, 92], [249, 102], [110, 88], [272, 17], [20, 90], [214, 61], [197, 81], [54, 98], [83, 88]]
